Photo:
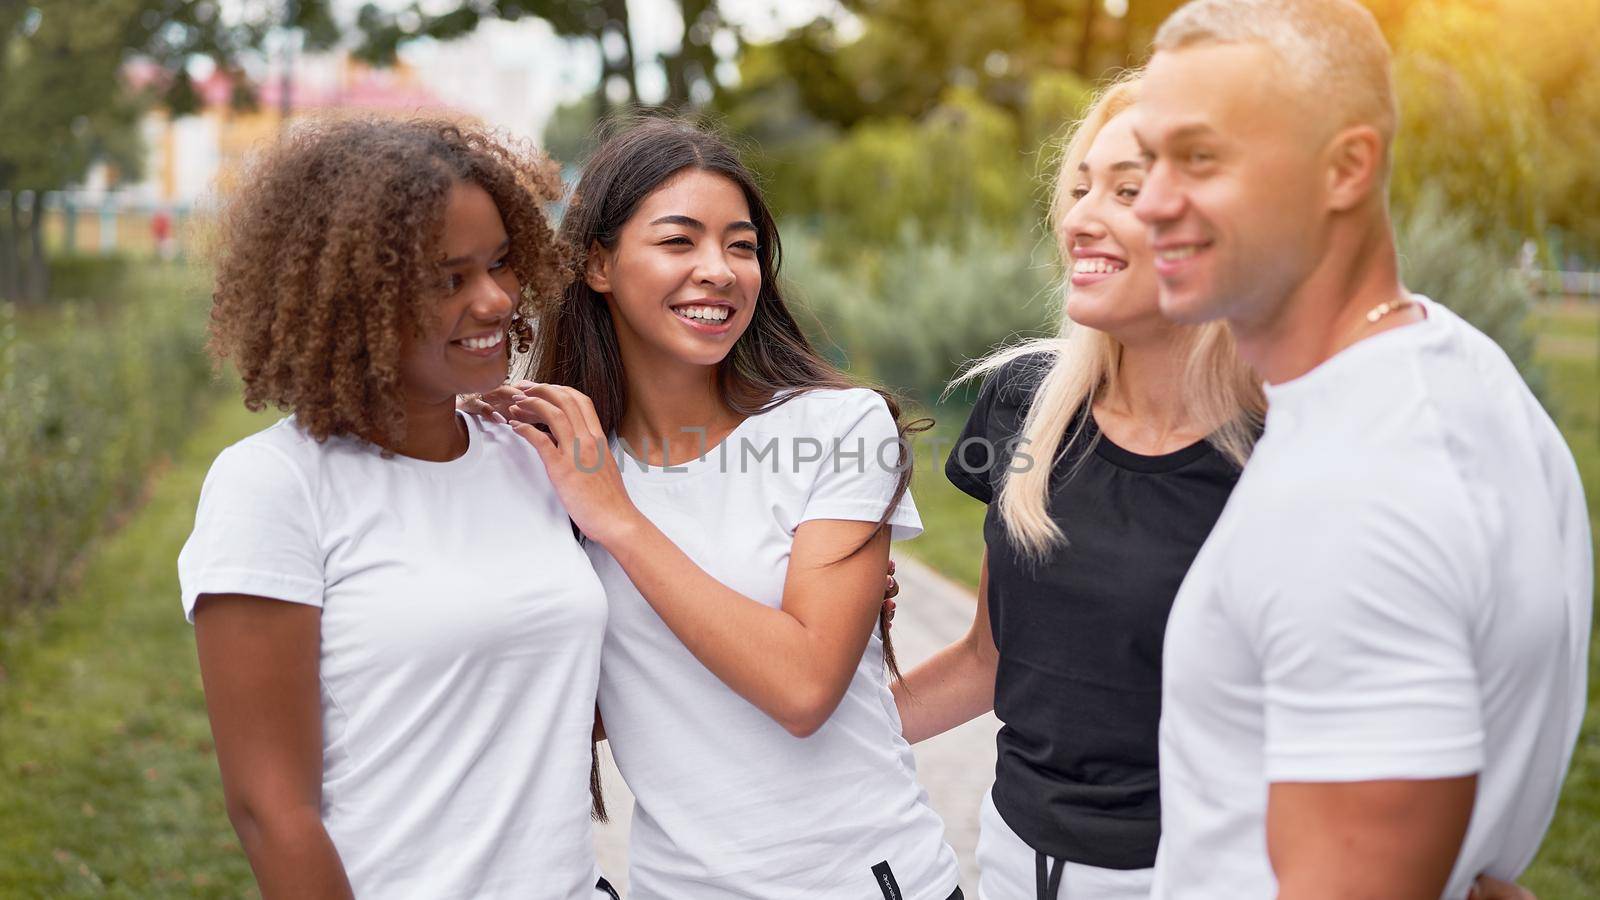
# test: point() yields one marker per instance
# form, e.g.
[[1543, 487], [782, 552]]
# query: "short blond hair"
[[1332, 50]]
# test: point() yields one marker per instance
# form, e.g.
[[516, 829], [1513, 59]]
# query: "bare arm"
[[1366, 839], [258, 661], [955, 685], [795, 662]]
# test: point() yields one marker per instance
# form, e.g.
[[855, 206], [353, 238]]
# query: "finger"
[[502, 397], [891, 566], [572, 403], [541, 442], [586, 406], [536, 411], [893, 589], [889, 609], [585, 423]]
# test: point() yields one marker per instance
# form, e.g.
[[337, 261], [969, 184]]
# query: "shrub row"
[[94, 390]]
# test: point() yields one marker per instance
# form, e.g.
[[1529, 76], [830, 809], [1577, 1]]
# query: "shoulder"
[[1394, 521], [498, 439], [276, 454], [826, 412], [1016, 380], [833, 401]]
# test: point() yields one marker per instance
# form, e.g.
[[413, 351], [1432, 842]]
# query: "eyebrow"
[[1123, 166], [463, 260], [698, 225], [1194, 129]]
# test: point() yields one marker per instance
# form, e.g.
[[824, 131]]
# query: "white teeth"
[[708, 313], [1097, 265], [482, 343], [1177, 253]]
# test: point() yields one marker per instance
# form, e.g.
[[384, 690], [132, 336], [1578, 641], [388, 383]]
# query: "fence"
[[107, 223]]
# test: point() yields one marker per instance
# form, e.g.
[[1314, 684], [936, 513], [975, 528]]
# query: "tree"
[[65, 104], [690, 70]]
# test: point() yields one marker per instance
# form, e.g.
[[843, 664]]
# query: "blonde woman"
[[1105, 455], [1147, 424]]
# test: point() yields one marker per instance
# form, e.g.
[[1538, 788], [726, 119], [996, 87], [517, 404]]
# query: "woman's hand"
[[561, 424], [891, 590], [496, 404]]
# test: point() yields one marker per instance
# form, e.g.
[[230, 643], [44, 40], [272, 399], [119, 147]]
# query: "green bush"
[[93, 392], [84, 278], [911, 313], [1443, 257]]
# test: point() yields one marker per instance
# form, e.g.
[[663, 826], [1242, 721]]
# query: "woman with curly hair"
[[738, 494], [393, 714]]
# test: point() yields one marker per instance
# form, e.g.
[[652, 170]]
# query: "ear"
[[1354, 166], [597, 269]]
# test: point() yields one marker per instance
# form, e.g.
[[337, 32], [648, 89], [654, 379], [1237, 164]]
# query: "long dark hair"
[[770, 363]]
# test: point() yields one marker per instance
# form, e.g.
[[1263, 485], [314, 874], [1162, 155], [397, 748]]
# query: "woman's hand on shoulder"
[[496, 404], [561, 424]]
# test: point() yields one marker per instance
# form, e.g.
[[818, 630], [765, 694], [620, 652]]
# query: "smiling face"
[[683, 278], [1114, 286], [1232, 194], [462, 349]]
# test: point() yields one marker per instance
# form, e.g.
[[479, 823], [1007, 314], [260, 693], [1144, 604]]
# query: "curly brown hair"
[[328, 254]]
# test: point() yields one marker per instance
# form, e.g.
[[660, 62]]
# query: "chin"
[[1189, 304]]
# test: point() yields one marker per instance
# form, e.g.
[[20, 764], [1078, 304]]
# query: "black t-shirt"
[[1079, 632]]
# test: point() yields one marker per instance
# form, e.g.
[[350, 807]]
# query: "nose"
[[1159, 198], [491, 300], [1082, 224], [712, 269]]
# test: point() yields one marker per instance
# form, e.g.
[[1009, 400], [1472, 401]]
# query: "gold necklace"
[[1386, 307]]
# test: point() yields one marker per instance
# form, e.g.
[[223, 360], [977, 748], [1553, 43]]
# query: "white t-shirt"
[[461, 632], [729, 804], [1400, 587]]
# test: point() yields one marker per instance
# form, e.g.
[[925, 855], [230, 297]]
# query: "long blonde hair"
[[1220, 391]]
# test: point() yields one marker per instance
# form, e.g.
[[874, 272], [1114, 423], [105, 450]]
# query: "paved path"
[[956, 767]]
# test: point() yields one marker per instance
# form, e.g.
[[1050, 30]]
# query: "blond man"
[[1375, 670]]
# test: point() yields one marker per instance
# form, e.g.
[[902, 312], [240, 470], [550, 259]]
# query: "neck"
[[1147, 392], [1327, 312], [433, 432], [674, 411]]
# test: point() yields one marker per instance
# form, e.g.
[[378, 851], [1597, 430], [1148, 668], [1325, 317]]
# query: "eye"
[[1200, 157], [1079, 192], [453, 283], [1128, 192], [498, 264], [678, 241], [747, 246]]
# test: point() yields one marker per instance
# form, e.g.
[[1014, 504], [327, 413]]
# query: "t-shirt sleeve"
[[971, 465], [254, 532], [1363, 626], [860, 468], [985, 447]]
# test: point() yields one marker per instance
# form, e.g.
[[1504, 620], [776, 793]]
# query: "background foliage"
[[92, 394]]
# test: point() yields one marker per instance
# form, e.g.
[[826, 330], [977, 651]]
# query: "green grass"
[[108, 785], [952, 542], [1568, 867], [1569, 862]]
